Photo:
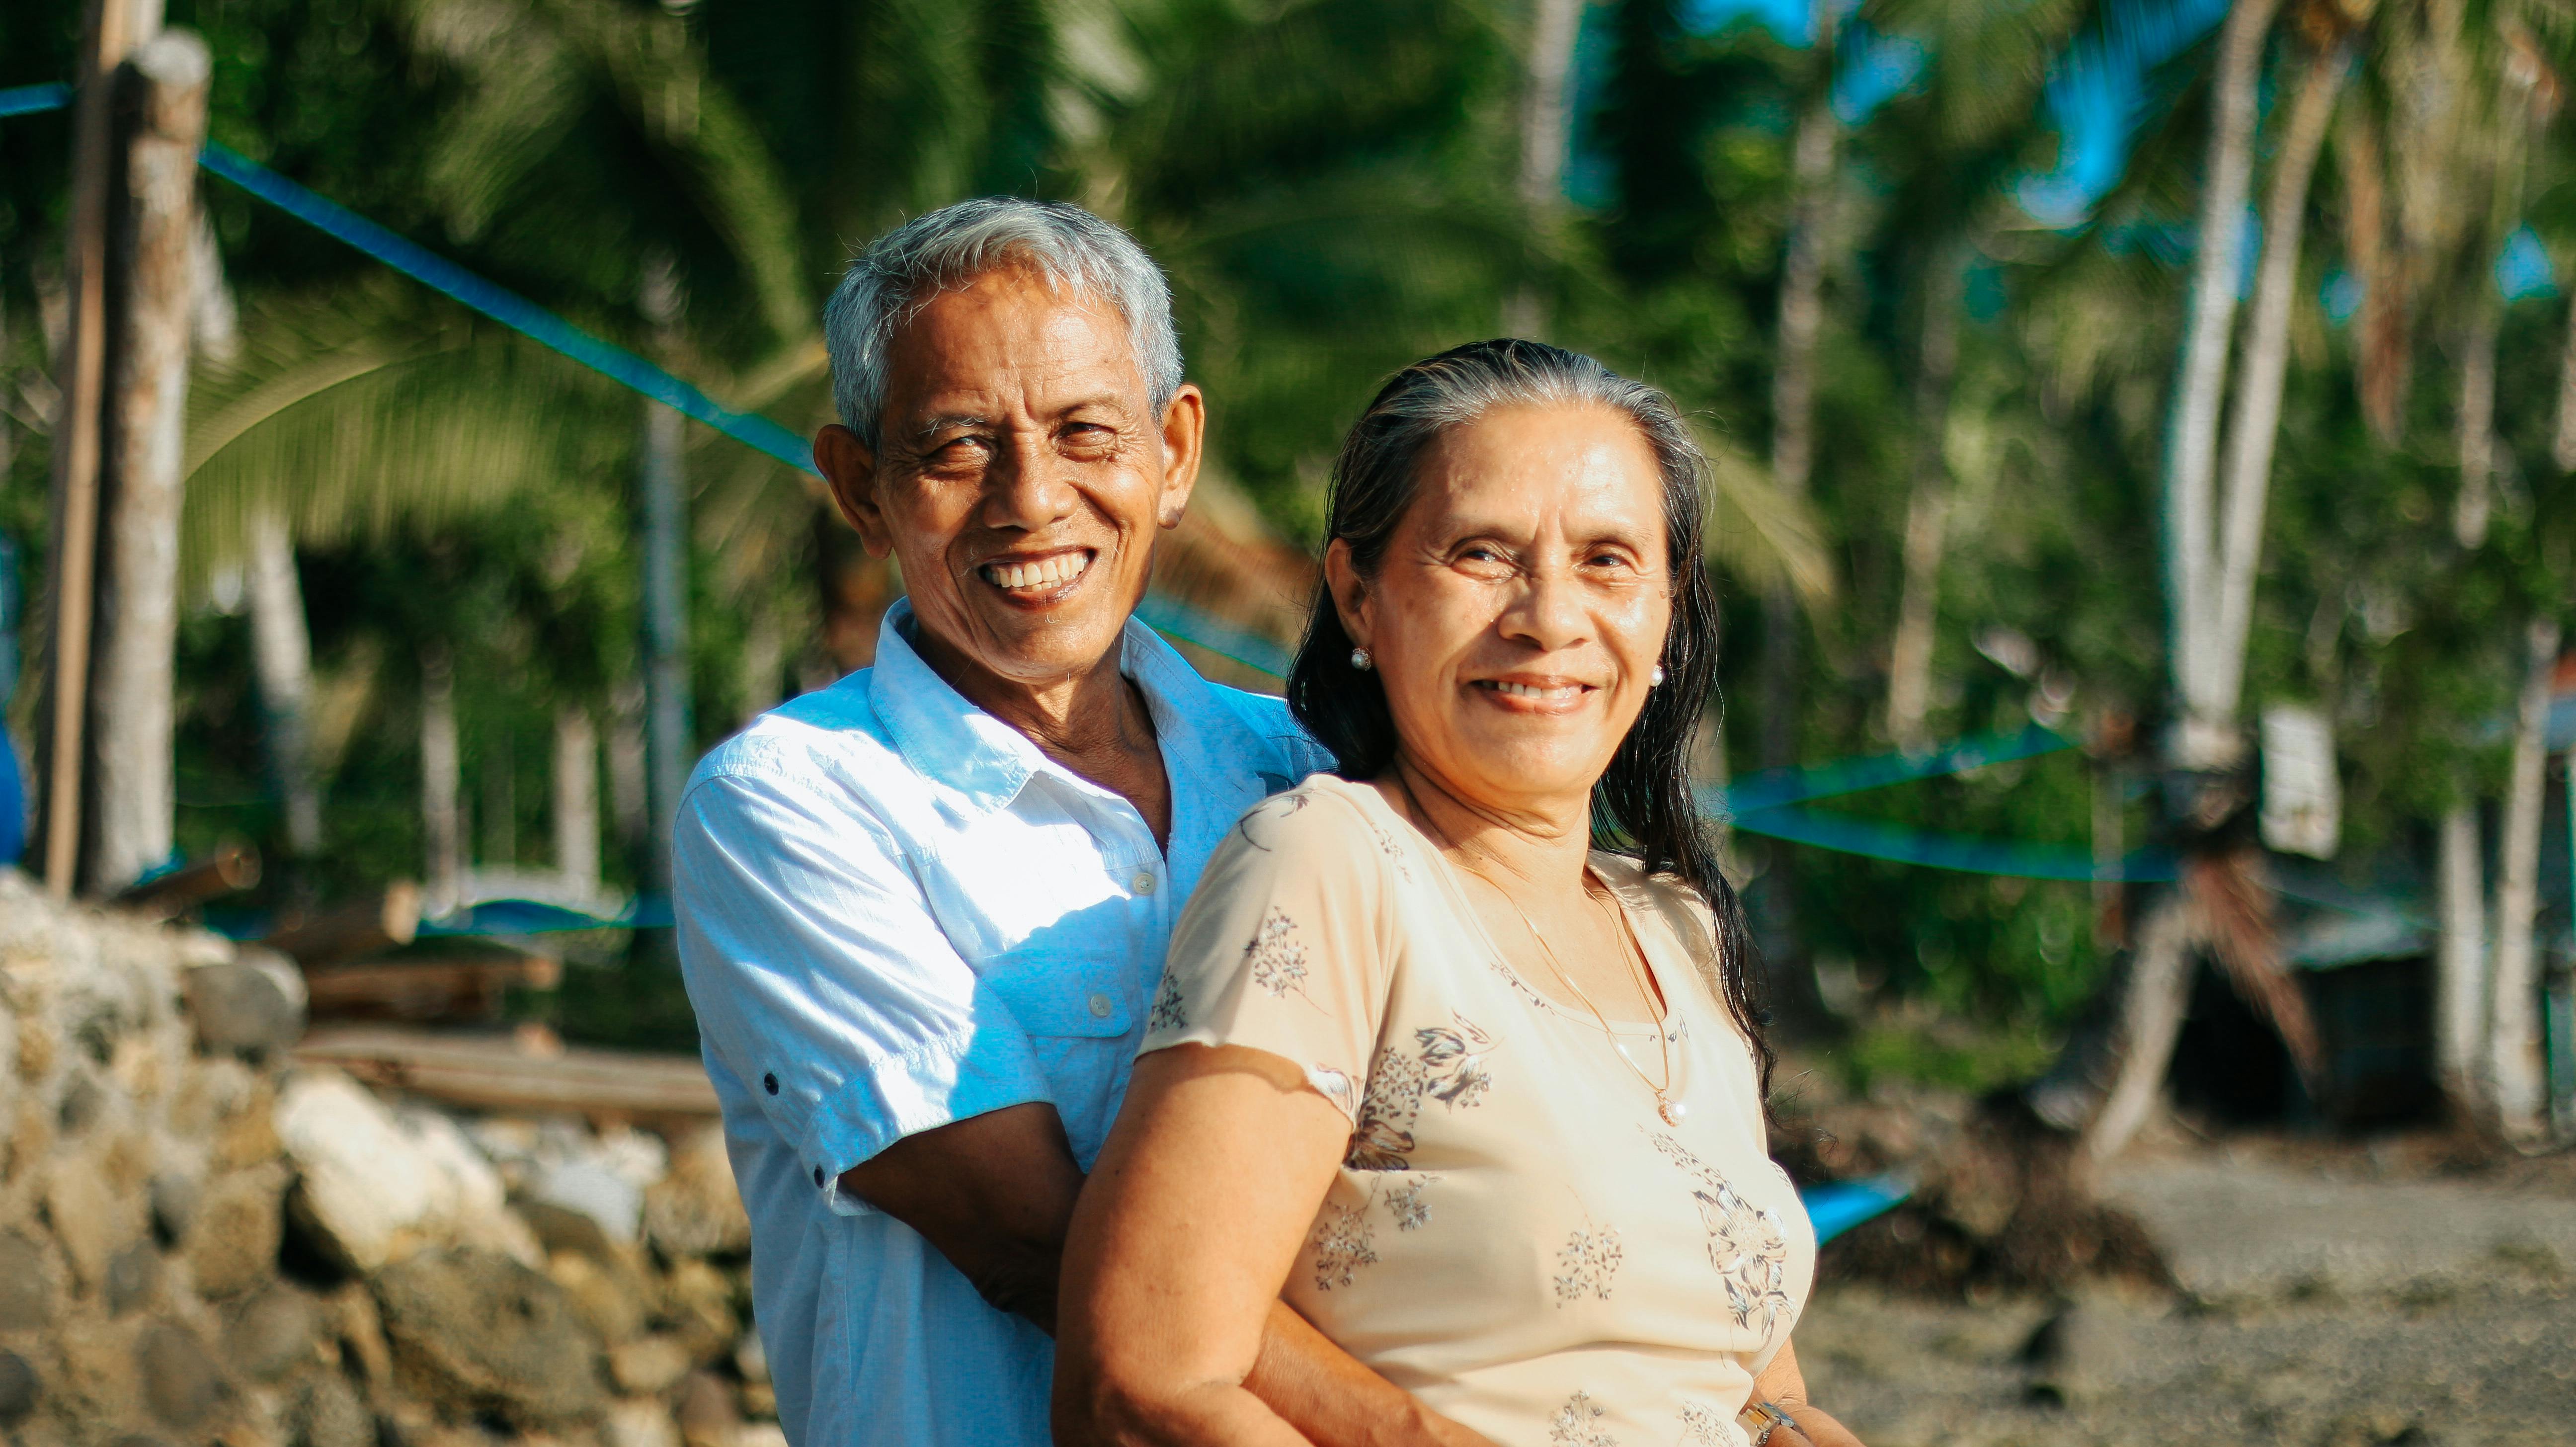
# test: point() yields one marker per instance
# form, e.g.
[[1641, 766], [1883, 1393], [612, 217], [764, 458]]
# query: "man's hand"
[[994, 1194]]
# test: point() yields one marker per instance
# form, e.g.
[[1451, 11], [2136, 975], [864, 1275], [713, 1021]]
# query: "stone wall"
[[201, 1243]]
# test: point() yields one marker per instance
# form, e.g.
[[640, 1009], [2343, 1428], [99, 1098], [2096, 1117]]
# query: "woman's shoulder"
[[1326, 819]]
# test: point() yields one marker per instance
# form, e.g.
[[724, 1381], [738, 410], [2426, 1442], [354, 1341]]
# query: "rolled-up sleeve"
[[822, 981]]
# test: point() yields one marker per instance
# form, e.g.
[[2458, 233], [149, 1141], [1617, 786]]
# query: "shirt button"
[[1100, 1006], [818, 1175], [1143, 883], [769, 1083]]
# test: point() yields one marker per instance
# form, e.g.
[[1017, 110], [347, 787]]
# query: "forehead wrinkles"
[[1008, 347]]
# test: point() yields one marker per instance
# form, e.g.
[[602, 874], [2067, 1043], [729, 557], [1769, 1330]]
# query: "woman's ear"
[[1349, 591]]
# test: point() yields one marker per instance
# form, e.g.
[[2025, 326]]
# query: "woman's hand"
[[1784, 1386]]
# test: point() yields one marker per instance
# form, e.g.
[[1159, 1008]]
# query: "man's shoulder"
[[830, 737], [1292, 753]]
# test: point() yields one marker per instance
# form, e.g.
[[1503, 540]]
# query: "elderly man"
[[922, 911]]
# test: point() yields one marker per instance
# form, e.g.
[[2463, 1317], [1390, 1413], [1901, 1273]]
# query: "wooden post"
[[131, 796], [667, 752], [107, 34], [442, 824], [576, 809]]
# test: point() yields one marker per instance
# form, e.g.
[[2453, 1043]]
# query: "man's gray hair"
[[1065, 246]]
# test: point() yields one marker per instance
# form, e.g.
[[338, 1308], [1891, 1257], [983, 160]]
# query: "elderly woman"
[[1457, 1047]]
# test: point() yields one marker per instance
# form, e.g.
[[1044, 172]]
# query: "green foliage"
[[1330, 184]]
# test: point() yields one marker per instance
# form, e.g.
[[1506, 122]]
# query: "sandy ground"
[[2328, 1299]]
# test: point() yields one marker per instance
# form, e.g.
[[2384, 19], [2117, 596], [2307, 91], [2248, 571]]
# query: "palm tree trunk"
[[1546, 104], [1927, 506], [2151, 1011], [2460, 987], [2475, 502], [2381, 352], [2256, 425], [2209, 737], [132, 803], [281, 650], [442, 813], [576, 801], [2514, 1054]]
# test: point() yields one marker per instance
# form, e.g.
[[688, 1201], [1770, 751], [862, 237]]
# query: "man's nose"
[[1028, 486]]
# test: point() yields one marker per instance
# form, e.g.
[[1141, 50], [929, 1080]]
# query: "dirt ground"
[[2329, 1296]]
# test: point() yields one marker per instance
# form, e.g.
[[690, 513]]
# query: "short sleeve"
[[822, 981], [1285, 947]]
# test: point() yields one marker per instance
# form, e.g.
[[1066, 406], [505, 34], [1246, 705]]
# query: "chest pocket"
[[1053, 990]]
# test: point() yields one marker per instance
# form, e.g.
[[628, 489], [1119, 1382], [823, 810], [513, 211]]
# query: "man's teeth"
[[1062, 568], [1532, 690]]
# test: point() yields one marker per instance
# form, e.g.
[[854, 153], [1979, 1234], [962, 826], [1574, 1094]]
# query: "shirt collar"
[[948, 739]]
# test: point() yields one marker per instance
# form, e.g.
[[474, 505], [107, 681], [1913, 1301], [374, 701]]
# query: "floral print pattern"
[[1406, 1206], [1747, 1244], [1574, 1424], [1447, 1063], [1276, 956], [1704, 1426], [1344, 1243], [1590, 1259], [1170, 1011]]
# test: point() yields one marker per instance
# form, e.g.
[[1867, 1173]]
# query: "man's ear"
[[850, 470], [1349, 592], [1184, 444]]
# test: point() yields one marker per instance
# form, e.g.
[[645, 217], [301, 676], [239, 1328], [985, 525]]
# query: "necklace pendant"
[[1671, 1110]]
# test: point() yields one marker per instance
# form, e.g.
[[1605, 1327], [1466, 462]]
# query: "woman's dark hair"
[[1644, 804]]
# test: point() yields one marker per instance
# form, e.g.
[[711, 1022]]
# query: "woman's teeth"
[[1045, 572], [1532, 690]]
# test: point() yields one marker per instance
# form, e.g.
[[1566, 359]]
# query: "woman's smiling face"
[[1521, 607]]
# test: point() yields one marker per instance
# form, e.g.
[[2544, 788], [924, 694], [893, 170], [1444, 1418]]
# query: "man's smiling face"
[[1020, 478]]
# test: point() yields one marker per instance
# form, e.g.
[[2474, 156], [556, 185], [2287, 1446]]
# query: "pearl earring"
[[1655, 677], [1360, 659]]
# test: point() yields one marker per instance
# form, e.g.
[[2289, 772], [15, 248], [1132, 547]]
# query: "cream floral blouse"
[[1515, 1235]]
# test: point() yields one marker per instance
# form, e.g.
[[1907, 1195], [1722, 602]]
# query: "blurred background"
[[2144, 434]]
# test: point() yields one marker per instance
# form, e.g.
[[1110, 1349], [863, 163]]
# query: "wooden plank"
[[106, 35], [233, 866], [453, 988], [363, 927], [493, 1073]]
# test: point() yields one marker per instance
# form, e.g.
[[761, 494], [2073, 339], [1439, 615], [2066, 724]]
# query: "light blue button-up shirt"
[[895, 912]]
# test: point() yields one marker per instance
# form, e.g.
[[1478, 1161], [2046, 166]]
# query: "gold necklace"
[[1666, 1106]]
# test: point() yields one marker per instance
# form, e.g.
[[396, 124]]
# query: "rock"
[[482, 1332], [750, 1358], [26, 1290], [252, 1005], [271, 1333], [92, 1221], [696, 1210], [639, 1424], [650, 1366], [365, 1184], [698, 1301], [174, 1198], [607, 1297], [233, 1243], [707, 1414], [19, 1389], [132, 1276], [332, 1414], [84, 1101], [2079, 1354], [180, 1384], [473, 1188], [592, 1189], [760, 1434]]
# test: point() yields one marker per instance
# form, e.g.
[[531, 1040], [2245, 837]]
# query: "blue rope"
[[28, 100], [1774, 787], [1894, 842], [508, 308]]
